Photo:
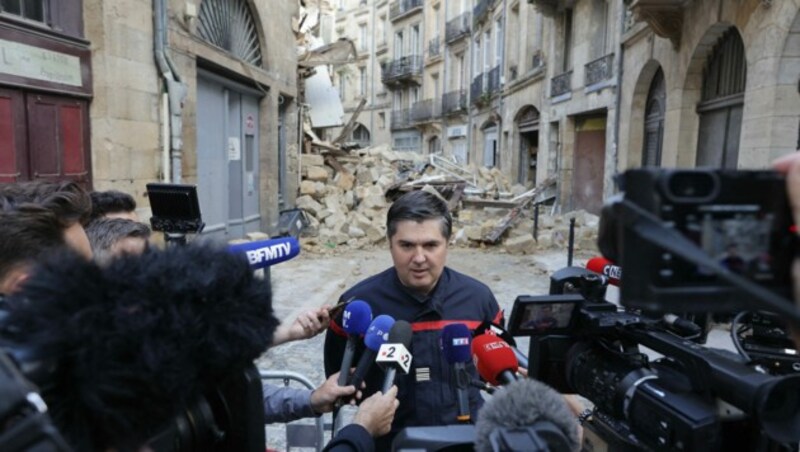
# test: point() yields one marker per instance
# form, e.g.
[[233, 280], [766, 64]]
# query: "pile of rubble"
[[346, 206]]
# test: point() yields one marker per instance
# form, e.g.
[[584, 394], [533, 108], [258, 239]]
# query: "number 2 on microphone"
[[390, 352]]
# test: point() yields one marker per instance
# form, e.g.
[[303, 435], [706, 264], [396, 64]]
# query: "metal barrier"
[[297, 435]]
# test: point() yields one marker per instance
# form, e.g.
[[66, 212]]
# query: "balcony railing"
[[426, 110], [457, 28], [476, 89], [434, 47], [561, 84], [481, 11], [402, 7], [405, 67], [454, 102], [494, 80], [401, 119], [599, 70]]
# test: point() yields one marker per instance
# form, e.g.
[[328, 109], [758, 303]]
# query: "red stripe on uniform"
[[440, 324], [337, 329], [498, 319]]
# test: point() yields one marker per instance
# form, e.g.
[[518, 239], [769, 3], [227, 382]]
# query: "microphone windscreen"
[[130, 343], [493, 328], [264, 253], [400, 333], [492, 356], [356, 317], [603, 266], [456, 340], [378, 332], [523, 404]]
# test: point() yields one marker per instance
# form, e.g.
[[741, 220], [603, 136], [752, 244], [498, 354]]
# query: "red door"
[[590, 155], [43, 137]]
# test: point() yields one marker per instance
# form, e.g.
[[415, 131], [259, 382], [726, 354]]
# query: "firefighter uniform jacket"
[[427, 394]]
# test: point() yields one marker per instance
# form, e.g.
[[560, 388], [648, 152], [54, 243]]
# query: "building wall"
[[126, 114]]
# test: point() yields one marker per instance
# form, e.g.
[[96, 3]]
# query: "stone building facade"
[[197, 92], [584, 89]]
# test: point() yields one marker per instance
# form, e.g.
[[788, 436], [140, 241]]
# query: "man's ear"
[[14, 279]]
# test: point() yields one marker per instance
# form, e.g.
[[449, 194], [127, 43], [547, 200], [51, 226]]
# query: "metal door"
[[227, 157], [587, 179]]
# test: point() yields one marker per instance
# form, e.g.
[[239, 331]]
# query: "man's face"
[[75, 238], [419, 252]]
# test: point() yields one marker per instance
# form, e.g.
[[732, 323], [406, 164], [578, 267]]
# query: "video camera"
[[688, 241]]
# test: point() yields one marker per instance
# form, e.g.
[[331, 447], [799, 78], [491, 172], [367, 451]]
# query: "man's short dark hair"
[[33, 217], [419, 206], [111, 201], [103, 233]]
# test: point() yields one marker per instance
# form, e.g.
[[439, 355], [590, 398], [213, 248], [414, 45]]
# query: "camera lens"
[[692, 185]]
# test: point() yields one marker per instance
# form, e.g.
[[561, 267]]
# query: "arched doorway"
[[654, 121], [361, 136], [528, 128], [722, 103]]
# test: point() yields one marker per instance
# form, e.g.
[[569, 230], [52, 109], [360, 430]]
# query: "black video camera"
[[693, 398], [701, 240]]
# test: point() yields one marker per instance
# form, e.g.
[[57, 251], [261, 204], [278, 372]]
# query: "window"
[[567, 62], [363, 43], [362, 81], [476, 59], [29, 9], [383, 30], [342, 87], [230, 25], [498, 51], [415, 46], [654, 121], [381, 120], [398, 45], [487, 50]]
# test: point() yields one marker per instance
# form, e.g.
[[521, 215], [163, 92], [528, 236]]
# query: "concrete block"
[[308, 204], [520, 245], [316, 173], [254, 236], [345, 181], [311, 160], [356, 232], [308, 187]]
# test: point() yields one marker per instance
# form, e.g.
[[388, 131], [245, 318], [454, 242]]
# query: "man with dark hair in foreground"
[[421, 290], [113, 204]]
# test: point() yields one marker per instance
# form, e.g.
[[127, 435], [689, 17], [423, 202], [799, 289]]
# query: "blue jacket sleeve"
[[353, 438], [283, 404]]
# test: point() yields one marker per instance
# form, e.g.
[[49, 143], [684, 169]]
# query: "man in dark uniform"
[[421, 290]]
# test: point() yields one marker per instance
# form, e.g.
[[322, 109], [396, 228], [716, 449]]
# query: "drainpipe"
[[176, 90], [618, 94]]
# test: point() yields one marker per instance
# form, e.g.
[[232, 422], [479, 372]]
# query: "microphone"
[[117, 351], [394, 354], [265, 253], [526, 415], [456, 339], [605, 267], [494, 359], [355, 321], [497, 330], [377, 334]]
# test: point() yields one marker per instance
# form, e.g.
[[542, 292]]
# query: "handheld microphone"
[[377, 334], [526, 415], [605, 267], [394, 354], [456, 339], [494, 359], [499, 331], [265, 253], [355, 321]]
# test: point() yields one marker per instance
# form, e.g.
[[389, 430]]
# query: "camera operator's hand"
[[790, 165], [376, 413], [307, 325], [324, 397]]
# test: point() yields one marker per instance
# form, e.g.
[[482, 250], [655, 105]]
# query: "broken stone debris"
[[347, 209]]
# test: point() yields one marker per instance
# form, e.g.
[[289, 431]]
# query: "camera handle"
[[650, 228]]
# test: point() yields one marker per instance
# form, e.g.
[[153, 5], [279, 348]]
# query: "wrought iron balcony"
[[402, 8], [405, 68], [476, 89], [454, 102], [494, 80], [434, 47], [481, 10], [561, 84], [457, 28], [599, 70], [401, 119], [426, 110]]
